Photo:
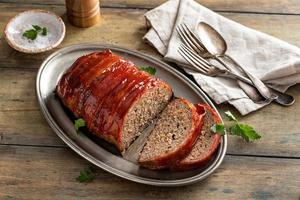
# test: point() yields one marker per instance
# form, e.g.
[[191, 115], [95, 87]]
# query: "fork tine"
[[198, 56], [190, 60], [199, 59], [189, 40], [192, 40], [197, 39], [194, 61], [184, 38]]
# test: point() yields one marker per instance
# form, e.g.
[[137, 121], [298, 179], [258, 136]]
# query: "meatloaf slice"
[[173, 135], [206, 144], [114, 97]]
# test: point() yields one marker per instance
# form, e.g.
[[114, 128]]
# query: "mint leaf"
[[44, 31], [247, 132], [150, 70], [79, 123], [230, 116], [30, 34], [218, 128], [37, 28], [86, 176]]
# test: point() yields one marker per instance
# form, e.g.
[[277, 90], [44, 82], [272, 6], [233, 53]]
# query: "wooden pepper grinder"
[[83, 13]]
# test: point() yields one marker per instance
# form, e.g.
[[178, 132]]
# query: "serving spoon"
[[217, 47]]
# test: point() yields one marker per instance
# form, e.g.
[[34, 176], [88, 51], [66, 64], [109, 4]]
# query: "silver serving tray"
[[98, 151]]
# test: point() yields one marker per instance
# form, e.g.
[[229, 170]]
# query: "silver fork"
[[205, 67], [220, 45], [190, 39]]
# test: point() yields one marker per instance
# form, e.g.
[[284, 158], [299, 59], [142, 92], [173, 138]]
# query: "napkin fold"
[[270, 59]]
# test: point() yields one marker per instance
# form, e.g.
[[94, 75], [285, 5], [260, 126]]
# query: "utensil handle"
[[283, 99], [261, 87], [230, 74], [251, 92]]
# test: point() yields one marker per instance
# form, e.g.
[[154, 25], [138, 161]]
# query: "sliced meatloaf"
[[113, 96], [206, 144], [173, 136]]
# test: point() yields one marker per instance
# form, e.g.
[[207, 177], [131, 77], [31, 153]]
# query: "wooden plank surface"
[[35, 164], [127, 29], [17, 89], [55, 169], [18, 93], [257, 6]]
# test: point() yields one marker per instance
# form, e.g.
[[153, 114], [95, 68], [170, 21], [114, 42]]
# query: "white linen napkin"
[[270, 59]]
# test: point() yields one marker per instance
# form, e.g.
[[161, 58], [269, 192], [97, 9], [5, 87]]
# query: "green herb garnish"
[[218, 128], [86, 175], [245, 131], [37, 28], [78, 123], [30, 34], [44, 31], [150, 70], [230, 116], [33, 33]]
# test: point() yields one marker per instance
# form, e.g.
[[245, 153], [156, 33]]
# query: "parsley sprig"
[[150, 70], [245, 131], [33, 33], [78, 123], [86, 175]]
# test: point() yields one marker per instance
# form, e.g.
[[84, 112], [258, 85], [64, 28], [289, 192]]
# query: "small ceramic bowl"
[[24, 21]]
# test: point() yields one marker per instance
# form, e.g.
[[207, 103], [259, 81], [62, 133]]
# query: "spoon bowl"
[[212, 40]]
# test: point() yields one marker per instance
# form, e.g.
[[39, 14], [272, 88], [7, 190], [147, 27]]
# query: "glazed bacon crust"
[[216, 138], [100, 88], [172, 158]]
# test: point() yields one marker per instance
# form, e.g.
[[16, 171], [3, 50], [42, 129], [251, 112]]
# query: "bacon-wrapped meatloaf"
[[113, 96]]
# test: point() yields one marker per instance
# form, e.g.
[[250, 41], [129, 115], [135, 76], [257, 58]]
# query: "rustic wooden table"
[[36, 164]]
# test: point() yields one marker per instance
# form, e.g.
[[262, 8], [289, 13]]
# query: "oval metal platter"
[[98, 151]]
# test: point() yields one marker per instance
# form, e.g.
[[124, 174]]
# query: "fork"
[[259, 85], [205, 67], [190, 39]]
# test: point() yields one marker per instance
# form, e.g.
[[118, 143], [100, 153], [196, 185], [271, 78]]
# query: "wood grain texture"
[[127, 29], [17, 89], [26, 128], [39, 166], [116, 27], [55, 169], [257, 6], [280, 136]]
